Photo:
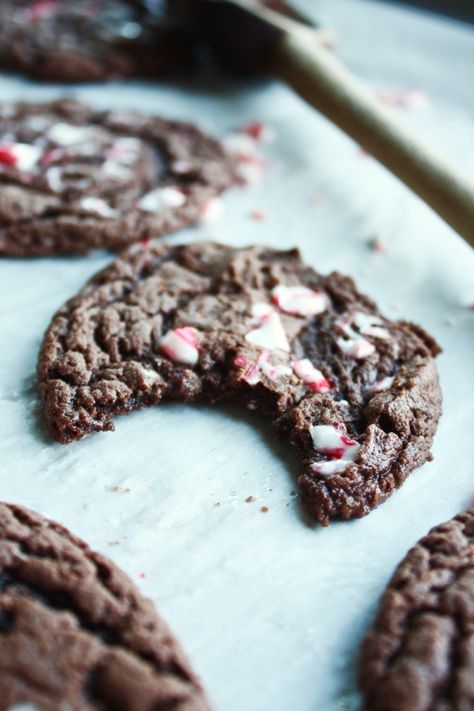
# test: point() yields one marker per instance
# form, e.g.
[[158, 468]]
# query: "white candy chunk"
[[211, 211], [181, 345], [270, 334], [370, 325], [249, 172], [115, 170], [305, 370], [27, 156], [161, 199], [239, 145], [357, 348], [125, 150], [97, 206], [299, 300], [330, 441], [54, 178], [261, 310], [333, 466], [261, 365], [67, 134], [383, 384]]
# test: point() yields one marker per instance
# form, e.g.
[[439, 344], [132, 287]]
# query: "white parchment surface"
[[270, 610]]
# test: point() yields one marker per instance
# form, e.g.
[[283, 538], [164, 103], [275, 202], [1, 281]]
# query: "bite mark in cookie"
[[255, 326], [419, 654], [73, 178], [76, 633]]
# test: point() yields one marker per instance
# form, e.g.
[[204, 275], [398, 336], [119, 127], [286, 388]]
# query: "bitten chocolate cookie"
[[356, 394], [73, 178], [75, 633], [419, 655], [90, 40]]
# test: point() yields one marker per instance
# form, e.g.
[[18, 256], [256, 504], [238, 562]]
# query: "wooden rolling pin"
[[250, 36]]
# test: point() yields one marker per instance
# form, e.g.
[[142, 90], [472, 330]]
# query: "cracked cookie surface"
[[75, 633], [90, 40], [74, 178], [419, 655], [356, 394]]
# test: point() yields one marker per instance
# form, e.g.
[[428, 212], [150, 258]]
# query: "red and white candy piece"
[[250, 164], [181, 345], [97, 206], [68, 134], [162, 199], [299, 300], [260, 365], [125, 150], [22, 156], [370, 325], [313, 377], [341, 449], [269, 333], [357, 347]]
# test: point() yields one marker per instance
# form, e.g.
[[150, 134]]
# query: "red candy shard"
[[7, 155]]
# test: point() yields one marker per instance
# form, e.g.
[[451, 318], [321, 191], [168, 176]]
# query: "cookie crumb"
[[264, 509], [250, 499]]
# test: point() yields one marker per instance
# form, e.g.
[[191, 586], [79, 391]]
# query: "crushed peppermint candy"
[[269, 332], [97, 206], [353, 344], [68, 134], [341, 449], [370, 325], [261, 365], [299, 300], [250, 164], [381, 385], [125, 150], [259, 131], [162, 199], [54, 179], [22, 156], [115, 170], [258, 215], [181, 345], [239, 145], [313, 377], [211, 211]]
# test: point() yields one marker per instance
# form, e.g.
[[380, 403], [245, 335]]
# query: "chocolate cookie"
[[73, 178], [90, 40], [356, 394], [419, 655], [75, 633]]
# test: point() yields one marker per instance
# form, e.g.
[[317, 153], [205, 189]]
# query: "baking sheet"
[[269, 609]]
